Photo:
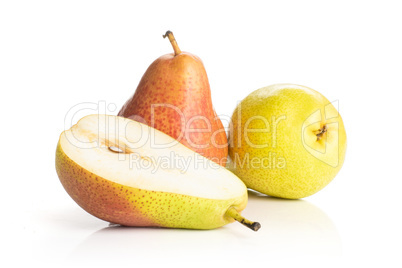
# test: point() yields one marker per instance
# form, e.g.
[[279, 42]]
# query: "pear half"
[[128, 173]]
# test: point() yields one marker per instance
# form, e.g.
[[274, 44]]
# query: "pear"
[[174, 97], [286, 141], [128, 173]]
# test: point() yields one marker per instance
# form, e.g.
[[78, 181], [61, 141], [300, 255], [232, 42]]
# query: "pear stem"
[[172, 40], [233, 213]]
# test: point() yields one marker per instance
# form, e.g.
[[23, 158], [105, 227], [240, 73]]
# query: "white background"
[[56, 54]]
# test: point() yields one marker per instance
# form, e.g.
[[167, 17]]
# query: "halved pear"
[[128, 173]]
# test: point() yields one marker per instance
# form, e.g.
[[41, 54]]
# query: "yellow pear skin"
[[286, 141]]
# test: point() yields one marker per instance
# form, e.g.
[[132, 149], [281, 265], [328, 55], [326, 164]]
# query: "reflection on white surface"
[[153, 244], [289, 227], [294, 226]]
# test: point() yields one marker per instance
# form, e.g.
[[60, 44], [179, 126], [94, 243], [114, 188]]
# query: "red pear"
[[174, 97]]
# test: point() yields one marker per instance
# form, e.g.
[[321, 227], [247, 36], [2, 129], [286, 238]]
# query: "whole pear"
[[286, 141], [174, 97]]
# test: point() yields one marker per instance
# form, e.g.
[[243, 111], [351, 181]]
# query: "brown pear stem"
[[175, 46], [233, 213]]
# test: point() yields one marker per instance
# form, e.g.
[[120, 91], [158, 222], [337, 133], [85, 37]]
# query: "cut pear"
[[128, 173]]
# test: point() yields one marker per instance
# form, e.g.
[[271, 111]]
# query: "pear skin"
[[286, 141], [174, 97]]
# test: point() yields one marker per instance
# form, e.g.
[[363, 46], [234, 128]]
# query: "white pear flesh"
[[125, 172]]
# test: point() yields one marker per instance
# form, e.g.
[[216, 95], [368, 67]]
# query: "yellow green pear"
[[128, 173], [286, 141]]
